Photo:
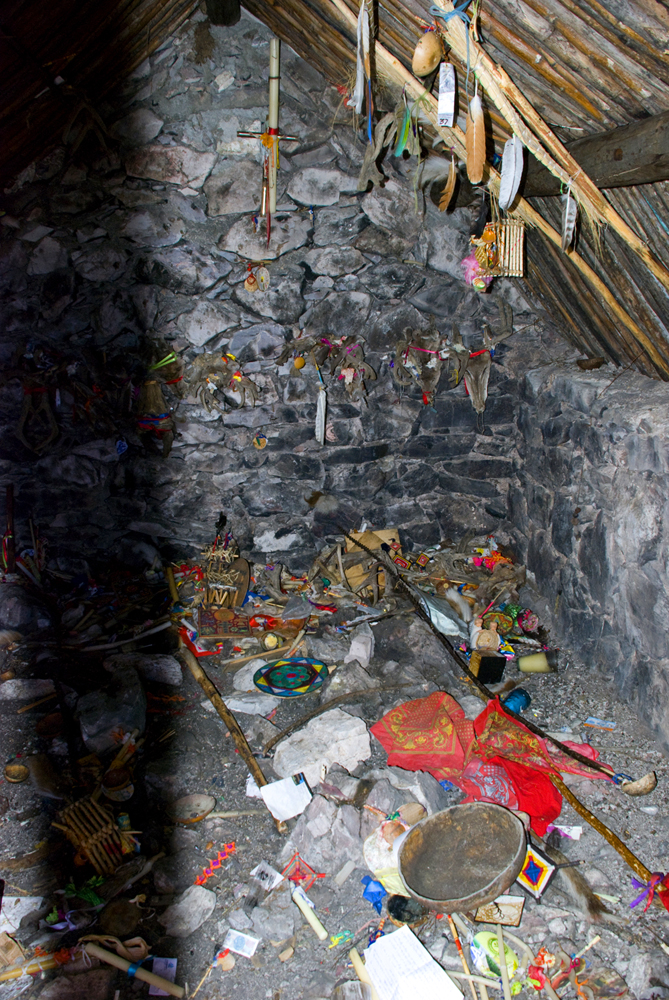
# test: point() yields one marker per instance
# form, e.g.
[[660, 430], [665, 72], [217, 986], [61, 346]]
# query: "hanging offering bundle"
[[419, 360], [219, 382]]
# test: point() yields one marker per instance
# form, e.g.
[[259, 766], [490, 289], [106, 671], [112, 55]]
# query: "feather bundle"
[[449, 188], [475, 140], [512, 172], [403, 130], [569, 216]]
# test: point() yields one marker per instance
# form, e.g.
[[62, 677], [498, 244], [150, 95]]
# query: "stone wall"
[[590, 504], [108, 255]]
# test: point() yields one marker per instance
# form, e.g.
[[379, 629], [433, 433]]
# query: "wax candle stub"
[[538, 663]]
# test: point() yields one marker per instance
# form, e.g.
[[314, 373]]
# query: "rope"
[[446, 16]]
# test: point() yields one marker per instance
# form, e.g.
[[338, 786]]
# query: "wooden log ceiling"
[[588, 73]]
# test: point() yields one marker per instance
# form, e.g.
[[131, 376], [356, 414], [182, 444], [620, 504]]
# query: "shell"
[[427, 55], [251, 283]]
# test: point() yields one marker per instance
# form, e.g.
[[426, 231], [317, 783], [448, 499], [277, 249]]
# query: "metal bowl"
[[462, 857]]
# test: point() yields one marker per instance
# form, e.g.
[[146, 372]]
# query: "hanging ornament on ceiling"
[[475, 139], [428, 53], [512, 172], [569, 217]]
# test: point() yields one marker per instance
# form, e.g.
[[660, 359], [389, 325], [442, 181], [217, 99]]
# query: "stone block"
[[171, 165], [319, 186], [137, 128], [392, 207]]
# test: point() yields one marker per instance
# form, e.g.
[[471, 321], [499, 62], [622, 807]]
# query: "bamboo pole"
[[388, 65], [228, 718], [623, 850]]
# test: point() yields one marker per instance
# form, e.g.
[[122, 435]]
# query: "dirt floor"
[[186, 750]]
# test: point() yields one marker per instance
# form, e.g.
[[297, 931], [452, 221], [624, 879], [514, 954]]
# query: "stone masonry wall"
[[110, 256], [105, 256], [591, 507]]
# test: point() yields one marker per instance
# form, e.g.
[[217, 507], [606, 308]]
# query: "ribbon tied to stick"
[[656, 883]]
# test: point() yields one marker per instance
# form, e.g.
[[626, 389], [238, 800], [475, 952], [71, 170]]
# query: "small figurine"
[[486, 639]]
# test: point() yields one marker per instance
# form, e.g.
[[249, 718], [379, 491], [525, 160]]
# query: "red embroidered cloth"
[[492, 759]]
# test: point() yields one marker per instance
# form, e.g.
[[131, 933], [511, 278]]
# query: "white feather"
[[433, 168], [362, 57], [321, 410], [512, 171], [569, 215]]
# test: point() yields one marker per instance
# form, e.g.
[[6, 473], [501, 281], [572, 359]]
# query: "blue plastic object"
[[518, 700], [374, 892]]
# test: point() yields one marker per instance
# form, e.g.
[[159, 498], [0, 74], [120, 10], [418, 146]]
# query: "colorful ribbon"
[[656, 883]]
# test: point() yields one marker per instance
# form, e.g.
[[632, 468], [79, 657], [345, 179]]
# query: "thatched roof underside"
[[586, 66]]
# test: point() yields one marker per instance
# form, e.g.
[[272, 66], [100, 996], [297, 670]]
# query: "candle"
[[302, 902], [538, 663]]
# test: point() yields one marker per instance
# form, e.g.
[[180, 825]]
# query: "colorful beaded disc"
[[290, 678]]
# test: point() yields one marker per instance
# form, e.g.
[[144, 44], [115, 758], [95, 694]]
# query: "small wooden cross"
[[270, 138]]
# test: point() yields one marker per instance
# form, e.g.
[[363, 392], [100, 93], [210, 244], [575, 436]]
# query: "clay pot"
[[427, 55]]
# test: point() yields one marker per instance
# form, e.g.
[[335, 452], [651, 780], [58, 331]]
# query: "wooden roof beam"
[[622, 157]]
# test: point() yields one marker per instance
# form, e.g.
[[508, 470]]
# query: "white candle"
[[301, 901], [273, 118]]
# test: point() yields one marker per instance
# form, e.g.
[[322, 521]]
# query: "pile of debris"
[[392, 817]]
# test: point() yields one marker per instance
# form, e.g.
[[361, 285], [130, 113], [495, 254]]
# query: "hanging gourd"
[[428, 54]]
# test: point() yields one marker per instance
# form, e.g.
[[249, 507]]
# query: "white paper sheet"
[[16, 907], [240, 943], [286, 798], [446, 104], [402, 969], [167, 968]]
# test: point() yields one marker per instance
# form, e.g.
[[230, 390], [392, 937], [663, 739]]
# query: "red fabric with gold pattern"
[[428, 734], [492, 759]]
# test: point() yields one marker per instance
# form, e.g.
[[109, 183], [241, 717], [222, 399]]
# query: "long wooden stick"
[[228, 718], [615, 842], [11, 540], [458, 945], [389, 66], [503, 968]]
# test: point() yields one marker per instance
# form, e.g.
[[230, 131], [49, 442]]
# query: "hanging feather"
[[569, 216], [475, 140], [321, 410], [449, 187], [512, 172], [363, 33], [403, 130], [482, 218]]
